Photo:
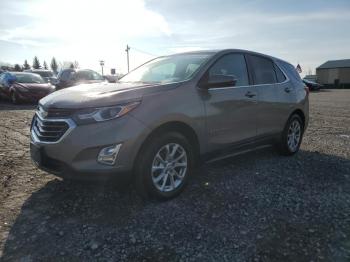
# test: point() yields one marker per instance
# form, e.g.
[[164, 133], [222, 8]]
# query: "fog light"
[[108, 155]]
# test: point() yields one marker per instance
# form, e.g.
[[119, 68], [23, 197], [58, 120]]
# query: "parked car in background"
[[312, 78], [47, 75], [23, 87], [71, 77], [111, 78], [312, 85], [159, 120]]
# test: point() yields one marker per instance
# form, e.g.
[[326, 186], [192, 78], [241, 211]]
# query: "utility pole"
[[102, 63], [127, 55]]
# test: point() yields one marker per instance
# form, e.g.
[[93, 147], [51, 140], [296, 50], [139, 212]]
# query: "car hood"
[[100, 94]]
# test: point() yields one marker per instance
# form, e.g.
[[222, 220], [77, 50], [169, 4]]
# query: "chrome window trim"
[[231, 87], [71, 125], [281, 83]]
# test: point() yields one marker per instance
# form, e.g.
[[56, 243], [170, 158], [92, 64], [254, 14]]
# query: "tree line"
[[54, 66]]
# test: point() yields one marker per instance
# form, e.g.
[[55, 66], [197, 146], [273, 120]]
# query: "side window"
[[79, 76], [280, 76], [96, 76], [263, 70], [87, 75], [234, 65], [65, 75]]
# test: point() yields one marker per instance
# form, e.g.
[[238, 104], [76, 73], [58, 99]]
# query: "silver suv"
[[165, 116]]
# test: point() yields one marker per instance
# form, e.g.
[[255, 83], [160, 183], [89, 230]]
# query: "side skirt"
[[240, 148]]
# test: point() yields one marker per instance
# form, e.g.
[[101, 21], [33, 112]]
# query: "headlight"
[[93, 115]]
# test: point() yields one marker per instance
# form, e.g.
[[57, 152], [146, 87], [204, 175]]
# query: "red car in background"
[[23, 87]]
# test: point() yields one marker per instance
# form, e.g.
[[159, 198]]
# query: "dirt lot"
[[256, 207]]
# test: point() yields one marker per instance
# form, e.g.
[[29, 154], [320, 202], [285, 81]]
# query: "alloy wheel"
[[294, 135], [169, 167]]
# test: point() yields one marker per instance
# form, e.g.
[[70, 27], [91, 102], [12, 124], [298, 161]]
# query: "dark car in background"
[[47, 75], [313, 86], [23, 87], [71, 77]]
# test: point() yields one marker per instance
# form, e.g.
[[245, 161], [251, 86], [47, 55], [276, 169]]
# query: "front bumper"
[[75, 155]]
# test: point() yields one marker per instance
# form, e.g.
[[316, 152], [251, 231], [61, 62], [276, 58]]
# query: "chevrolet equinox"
[[170, 113]]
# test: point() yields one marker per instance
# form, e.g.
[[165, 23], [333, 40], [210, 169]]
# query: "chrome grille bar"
[[50, 130]]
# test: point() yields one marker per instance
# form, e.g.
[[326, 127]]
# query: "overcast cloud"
[[308, 32]]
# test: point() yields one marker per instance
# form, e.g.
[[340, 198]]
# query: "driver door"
[[231, 111]]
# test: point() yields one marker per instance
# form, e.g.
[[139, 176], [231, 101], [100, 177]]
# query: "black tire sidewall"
[[144, 165], [284, 141]]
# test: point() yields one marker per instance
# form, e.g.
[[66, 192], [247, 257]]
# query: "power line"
[[145, 52]]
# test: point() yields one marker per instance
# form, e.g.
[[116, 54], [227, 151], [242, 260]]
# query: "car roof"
[[223, 51]]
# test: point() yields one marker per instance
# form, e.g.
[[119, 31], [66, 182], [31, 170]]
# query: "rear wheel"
[[292, 136], [164, 166]]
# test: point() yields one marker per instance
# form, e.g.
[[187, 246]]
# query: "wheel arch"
[[300, 113], [174, 126]]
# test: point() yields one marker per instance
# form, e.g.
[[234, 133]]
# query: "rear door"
[[275, 95], [230, 111]]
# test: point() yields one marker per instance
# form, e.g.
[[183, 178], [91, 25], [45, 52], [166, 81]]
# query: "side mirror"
[[219, 81]]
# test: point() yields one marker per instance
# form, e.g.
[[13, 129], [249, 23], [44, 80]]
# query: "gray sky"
[[309, 32]]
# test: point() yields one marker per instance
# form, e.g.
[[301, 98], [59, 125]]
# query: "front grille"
[[59, 112], [49, 131]]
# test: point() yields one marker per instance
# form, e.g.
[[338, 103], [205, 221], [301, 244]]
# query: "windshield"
[[29, 78], [167, 69]]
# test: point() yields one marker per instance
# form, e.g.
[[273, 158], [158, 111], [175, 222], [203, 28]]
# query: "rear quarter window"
[[290, 71], [279, 74]]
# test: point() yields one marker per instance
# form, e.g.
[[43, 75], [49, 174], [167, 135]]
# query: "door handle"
[[287, 89], [250, 94]]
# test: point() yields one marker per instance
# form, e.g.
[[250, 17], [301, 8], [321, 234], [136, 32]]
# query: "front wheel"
[[292, 135], [164, 166]]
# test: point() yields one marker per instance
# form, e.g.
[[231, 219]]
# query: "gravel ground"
[[256, 207]]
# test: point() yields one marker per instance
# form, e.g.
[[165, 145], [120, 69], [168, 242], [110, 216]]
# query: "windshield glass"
[[29, 78], [167, 69]]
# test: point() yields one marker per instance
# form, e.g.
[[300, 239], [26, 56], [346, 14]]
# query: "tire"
[[289, 144], [153, 168], [14, 98]]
